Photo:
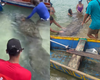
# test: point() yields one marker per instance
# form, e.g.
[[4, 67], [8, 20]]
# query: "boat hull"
[[72, 72], [59, 60], [21, 4]]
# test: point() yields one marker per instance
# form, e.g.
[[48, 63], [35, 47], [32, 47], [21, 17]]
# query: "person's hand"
[[82, 23], [23, 19], [63, 28], [78, 11], [61, 31]]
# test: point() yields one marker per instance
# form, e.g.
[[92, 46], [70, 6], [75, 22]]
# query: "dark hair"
[[13, 52], [80, 1], [51, 18], [69, 11], [35, 2]]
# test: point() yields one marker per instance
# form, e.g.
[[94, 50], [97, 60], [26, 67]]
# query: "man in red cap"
[[11, 69]]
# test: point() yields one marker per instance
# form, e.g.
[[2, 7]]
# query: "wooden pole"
[[75, 60], [80, 53]]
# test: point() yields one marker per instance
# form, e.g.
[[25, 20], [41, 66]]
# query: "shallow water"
[[33, 55], [58, 75], [61, 7]]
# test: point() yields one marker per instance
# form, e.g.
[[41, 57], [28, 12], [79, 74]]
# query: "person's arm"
[[83, 7], [54, 31], [34, 11], [53, 9], [50, 11], [88, 12], [69, 14], [56, 23], [30, 77], [85, 17]]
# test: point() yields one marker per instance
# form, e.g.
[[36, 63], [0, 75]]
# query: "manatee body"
[[40, 61], [27, 27], [74, 27], [38, 57]]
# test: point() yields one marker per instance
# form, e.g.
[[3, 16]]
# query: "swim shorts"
[[92, 31]]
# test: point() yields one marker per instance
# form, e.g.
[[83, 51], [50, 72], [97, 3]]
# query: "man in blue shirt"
[[41, 10], [93, 9]]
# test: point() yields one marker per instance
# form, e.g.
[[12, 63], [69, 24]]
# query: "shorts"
[[92, 31], [46, 19]]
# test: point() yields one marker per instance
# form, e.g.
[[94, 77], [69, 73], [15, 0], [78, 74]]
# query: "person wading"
[[79, 7], [93, 10]]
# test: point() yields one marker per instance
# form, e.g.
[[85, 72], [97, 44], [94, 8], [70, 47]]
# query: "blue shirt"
[[93, 9], [41, 10], [1, 7]]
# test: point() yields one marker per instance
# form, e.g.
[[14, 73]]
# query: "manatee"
[[28, 27], [73, 28], [39, 59]]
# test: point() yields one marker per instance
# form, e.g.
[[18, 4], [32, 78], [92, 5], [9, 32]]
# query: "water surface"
[[39, 68]]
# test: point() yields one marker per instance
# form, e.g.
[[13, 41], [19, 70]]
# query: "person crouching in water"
[[70, 12], [41, 10], [79, 7]]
